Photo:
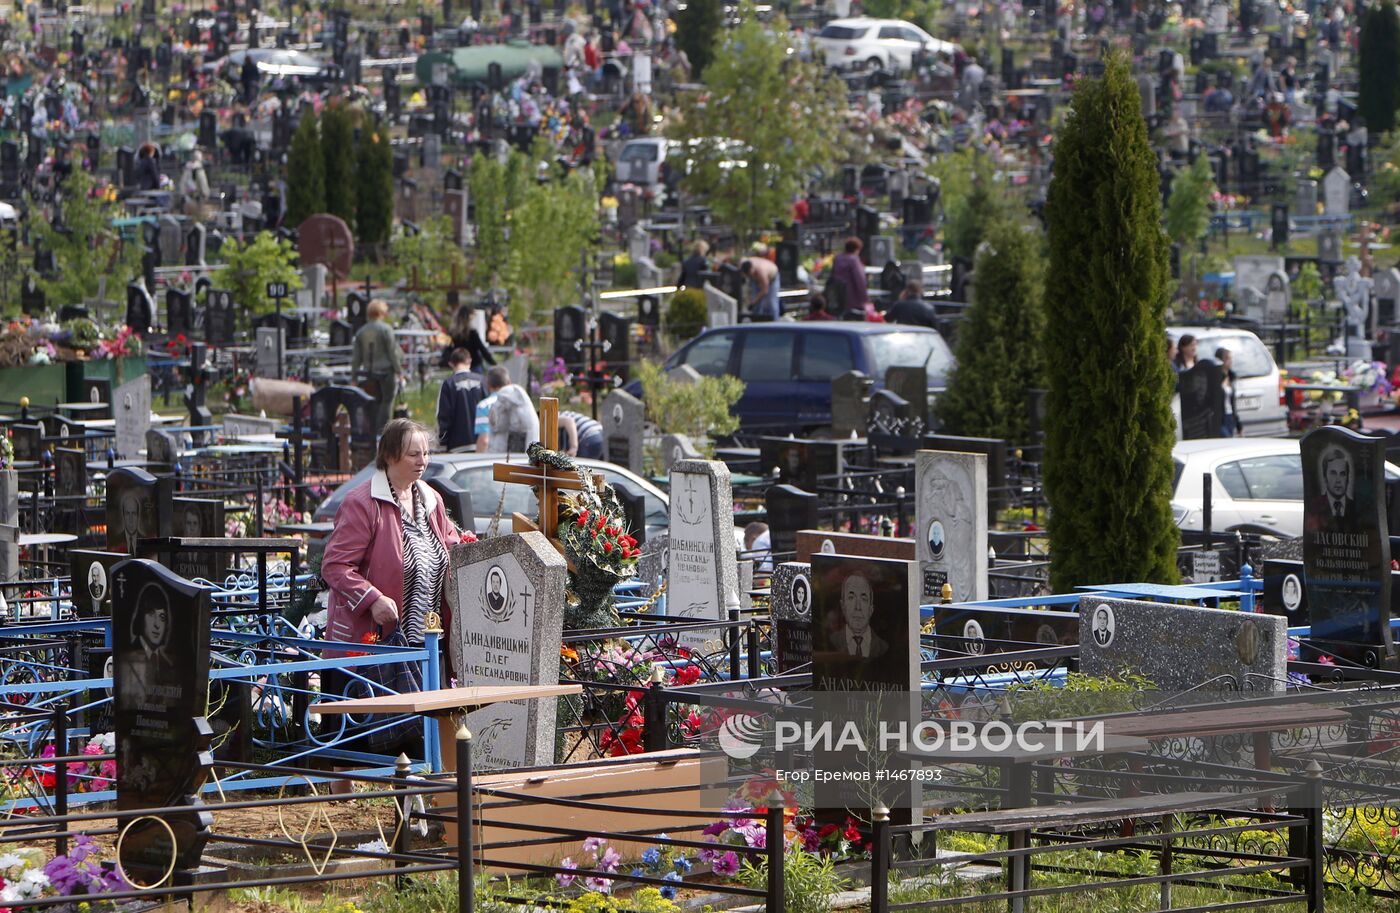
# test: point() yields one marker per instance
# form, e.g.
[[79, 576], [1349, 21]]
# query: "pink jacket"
[[364, 557]]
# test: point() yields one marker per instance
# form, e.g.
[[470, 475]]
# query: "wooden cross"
[[548, 480]]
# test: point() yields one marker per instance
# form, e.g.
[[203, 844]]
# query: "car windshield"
[[910, 350], [1249, 357], [841, 33], [640, 152]]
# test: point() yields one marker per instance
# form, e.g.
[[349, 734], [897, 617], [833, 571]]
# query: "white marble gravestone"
[[131, 408], [507, 600], [701, 554], [951, 522], [722, 309]]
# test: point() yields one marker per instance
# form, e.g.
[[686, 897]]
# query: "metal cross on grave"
[[548, 480]]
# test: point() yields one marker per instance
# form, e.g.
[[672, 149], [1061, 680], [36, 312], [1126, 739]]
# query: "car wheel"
[[874, 63]]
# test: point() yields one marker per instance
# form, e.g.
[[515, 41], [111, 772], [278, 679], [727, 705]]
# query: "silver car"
[[1256, 485]]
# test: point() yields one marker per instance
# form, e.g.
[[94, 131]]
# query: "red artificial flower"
[[852, 834], [369, 637], [602, 521], [827, 830], [607, 547], [583, 518], [687, 675]]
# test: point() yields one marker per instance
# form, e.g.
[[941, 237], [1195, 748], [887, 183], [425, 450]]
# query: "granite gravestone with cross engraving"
[[950, 510], [132, 410], [791, 589], [1226, 650], [160, 646], [92, 581], [507, 599], [198, 518], [138, 507], [701, 552], [623, 417], [1346, 545]]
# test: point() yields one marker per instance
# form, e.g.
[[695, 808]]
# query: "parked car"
[[472, 471], [876, 44], [787, 368], [1256, 485], [1259, 384]]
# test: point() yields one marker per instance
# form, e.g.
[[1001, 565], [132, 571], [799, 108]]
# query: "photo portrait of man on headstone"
[[1103, 626], [1337, 477], [96, 587], [857, 608], [148, 662], [131, 521]]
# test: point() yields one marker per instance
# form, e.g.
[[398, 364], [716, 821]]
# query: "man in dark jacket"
[[457, 402], [911, 309]]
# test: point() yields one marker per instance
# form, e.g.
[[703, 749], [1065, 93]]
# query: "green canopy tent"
[[468, 65]]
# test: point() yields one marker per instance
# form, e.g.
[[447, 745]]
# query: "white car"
[[876, 44], [1256, 485], [1258, 381]]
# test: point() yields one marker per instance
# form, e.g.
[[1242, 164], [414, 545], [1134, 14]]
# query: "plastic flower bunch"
[[22, 876], [601, 858], [80, 873]]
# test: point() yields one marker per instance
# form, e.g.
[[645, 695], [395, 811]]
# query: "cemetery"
[[652, 456]]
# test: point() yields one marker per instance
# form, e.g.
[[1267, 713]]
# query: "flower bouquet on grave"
[[593, 532]]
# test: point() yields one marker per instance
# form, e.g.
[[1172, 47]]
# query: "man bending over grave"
[[514, 425]]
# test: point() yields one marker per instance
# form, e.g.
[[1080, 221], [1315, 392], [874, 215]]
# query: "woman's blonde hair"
[[378, 309]]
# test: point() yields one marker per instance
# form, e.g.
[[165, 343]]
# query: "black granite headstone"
[[219, 319], [616, 333], [160, 647], [1202, 400], [70, 472], [1346, 546], [788, 510], [138, 507], [1284, 593], [92, 581], [570, 326], [179, 312], [97, 390], [198, 518]]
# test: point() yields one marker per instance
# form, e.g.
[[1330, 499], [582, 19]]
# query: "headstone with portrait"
[[788, 509], [1226, 650], [138, 507], [950, 511], [507, 600], [791, 588], [865, 624], [1346, 546], [199, 518], [624, 419], [674, 449], [131, 408], [703, 579], [92, 581], [982, 630], [828, 542], [160, 645], [96, 390], [70, 472], [1284, 593]]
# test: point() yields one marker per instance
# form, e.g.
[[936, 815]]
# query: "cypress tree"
[[306, 191], [1379, 66], [999, 342], [374, 185], [698, 28], [338, 152], [1107, 460]]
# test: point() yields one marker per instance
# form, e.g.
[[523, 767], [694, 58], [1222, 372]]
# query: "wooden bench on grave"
[[634, 781]]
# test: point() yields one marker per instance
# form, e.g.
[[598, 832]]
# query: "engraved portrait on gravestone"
[[857, 608]]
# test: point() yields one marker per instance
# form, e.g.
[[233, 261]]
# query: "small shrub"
[[686, 314], [625, 275], [809, 880]]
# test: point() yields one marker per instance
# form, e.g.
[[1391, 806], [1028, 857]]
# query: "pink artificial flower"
[[728, 864], [561, 878]]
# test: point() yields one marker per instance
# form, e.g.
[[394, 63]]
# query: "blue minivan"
[[787, 368]]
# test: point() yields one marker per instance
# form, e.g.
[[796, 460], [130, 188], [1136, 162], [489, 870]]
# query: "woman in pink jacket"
[[386, 561]]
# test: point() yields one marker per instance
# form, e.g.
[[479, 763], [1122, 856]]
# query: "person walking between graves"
[[386, 560], [762, 274], [378, 355], [147, 170], [466, 336], [1231, 427], [580, 436], [249, 79], [848, 278], [194, 185], [911, 309], [457, 401], [698, 262], [513, 422]]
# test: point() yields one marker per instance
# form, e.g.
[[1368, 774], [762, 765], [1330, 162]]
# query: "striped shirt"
[[424, 571]]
